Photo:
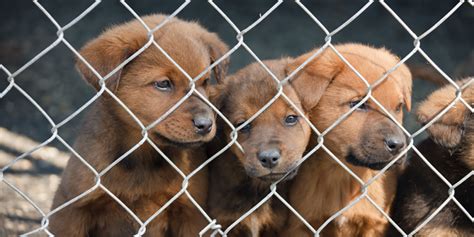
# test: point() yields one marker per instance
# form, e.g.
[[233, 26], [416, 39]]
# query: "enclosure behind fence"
[[240, 43]]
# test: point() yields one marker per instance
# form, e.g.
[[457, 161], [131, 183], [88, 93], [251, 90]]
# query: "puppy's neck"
[[327, 161], [344, 180], [333, 182]]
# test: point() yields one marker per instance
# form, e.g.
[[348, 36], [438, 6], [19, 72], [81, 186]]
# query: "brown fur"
[[446, 131], [323, 187], [450, 149], [143, 181], [238, 181]]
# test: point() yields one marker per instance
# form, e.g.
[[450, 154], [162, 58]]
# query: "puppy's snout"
[[202, 124], [394, 144], [269, 158]]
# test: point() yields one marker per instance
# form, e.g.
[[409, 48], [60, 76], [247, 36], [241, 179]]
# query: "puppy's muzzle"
[[202, 124], [269, 158], [394, 144]]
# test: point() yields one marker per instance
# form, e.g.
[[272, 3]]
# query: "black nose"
[[394, 144], [269, 158], [203, 125]]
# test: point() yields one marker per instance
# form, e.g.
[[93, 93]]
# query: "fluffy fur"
[[143, 181], [450, 149], [239, 180], [323, 187]]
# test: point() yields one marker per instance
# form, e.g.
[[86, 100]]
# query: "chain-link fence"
[[240, 44]]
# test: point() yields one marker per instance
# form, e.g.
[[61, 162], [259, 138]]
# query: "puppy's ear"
[[447, 130], [105, 53], [312, 80], [217, 94], [406, 84], [217, 49]]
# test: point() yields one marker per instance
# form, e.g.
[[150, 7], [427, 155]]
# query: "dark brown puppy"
[[450, 149], [273, 144], [149, 85], [365, 141]]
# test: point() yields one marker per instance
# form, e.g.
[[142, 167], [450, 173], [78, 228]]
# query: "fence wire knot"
[[212, 226]]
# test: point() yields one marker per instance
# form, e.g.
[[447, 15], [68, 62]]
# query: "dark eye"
[[164, 85], [462, 128], [205, 82], [362, 107], [291, 120], [245, 128], [399, 107]]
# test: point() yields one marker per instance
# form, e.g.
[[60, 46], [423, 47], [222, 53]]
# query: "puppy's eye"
[[206, 82], [362, 107], [399, 107], [291, 120], [245, 128], [164, 85], [462, 129]]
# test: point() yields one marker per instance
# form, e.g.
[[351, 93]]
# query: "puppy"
[[149, 85], [272, 144], [450, 149], [365, 141]]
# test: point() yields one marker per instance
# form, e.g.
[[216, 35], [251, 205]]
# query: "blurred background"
[[54, 83]]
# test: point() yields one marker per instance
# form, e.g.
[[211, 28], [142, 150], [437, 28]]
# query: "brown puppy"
[[273, 144], [149, 85], [450, 149], [365, 141]]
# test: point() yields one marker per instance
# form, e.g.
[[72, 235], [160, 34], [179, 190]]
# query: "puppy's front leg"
[[74, 220], [373, 230], [294, 227], [298, 231], [70, 222], [189, 222], [240, 230]]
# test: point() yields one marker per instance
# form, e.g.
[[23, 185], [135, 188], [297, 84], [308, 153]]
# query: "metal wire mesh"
[[214, 226]]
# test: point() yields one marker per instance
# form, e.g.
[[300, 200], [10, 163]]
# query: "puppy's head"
[[274, 142], [367, 137], [151, 84], [455, 129]]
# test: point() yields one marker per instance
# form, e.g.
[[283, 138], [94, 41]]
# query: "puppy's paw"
[[448, 129]]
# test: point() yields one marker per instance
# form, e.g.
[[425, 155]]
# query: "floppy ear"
[[106, 52], [406, 84], [407, 96], [312, 80], [217, 94], [217, 49], [447, 130]]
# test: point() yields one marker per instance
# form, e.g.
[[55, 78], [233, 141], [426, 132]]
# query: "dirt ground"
[[55, 85], [37, 176]]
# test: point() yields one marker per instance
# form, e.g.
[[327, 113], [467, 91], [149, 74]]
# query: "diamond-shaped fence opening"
[[98, 177]]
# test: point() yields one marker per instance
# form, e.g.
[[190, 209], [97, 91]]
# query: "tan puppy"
[[149, 85], [273, 145], [365, 141], [450, 149]]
